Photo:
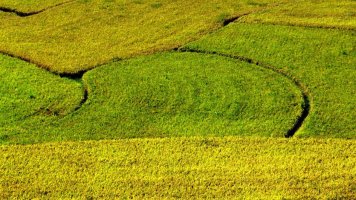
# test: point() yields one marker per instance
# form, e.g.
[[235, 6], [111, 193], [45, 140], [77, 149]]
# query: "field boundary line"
[[77, 76], [302, 88], [300, 25], [27, 14]]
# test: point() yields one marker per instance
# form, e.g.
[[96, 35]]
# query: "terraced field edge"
[[26, 14], [303, 89]]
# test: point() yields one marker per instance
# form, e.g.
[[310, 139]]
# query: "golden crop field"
[[159, 99], [188, 168]]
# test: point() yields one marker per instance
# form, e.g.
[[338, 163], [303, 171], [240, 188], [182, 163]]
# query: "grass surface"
[[324, 60], [28, 92], [222, 168], [30, 5], [176, 95], [316, 13], [173, 94], [81, 35]]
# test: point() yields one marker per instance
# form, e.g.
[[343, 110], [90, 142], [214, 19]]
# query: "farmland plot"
[[174, 94], [324, 60], [188, 99], [84, 34], [195, 167], [30, 7]]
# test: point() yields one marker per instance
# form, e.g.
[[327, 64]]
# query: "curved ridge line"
[[235, 18], [311, 26], [77, 76], [303, 89], [26, 14]]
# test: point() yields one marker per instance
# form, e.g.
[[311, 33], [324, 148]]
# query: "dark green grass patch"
[[324, 60], [175, 94]]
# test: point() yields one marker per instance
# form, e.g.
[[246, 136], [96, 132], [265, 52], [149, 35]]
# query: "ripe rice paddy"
[[188, 168], [86, 33], [100, 100]]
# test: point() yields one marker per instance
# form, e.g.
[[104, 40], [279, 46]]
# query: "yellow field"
[[228, 168]]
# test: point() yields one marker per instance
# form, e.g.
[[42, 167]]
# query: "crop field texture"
[[168, 94], [178, 99], [80, 35], [31, 6], [323, 60], [188, 168]]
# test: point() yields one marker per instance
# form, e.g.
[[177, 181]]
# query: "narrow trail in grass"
[[303, 89], [27, 14]]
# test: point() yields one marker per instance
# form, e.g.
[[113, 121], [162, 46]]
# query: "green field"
[[170, 94], [177, 99], [323, 60]]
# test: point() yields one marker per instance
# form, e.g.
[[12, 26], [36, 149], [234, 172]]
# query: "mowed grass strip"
[[30, 92], [84, 34], [174, 94], [219, 168], [339, 14], [323, 60]]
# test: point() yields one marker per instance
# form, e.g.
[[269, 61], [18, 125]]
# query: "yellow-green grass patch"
[[188, 168], [29, 6], [83, 34], [321, 13]]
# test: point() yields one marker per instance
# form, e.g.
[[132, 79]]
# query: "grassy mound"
[[174, 94], [324, 60], [218, 168], [29, 92]]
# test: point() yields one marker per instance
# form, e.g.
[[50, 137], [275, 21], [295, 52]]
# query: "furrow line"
[[303, 89], [26, 14], [75, 76]]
